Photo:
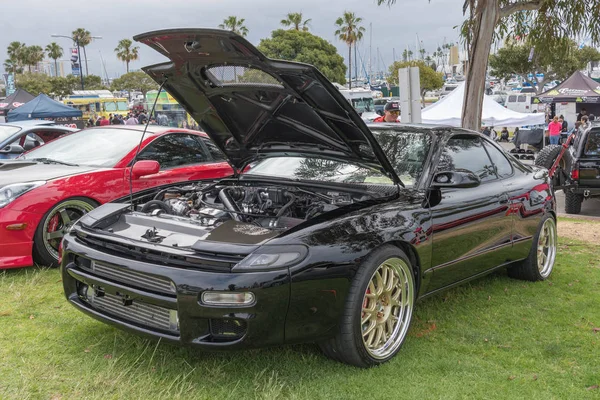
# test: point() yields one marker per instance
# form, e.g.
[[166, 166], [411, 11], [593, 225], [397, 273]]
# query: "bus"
[[94, 105], [168, 111]]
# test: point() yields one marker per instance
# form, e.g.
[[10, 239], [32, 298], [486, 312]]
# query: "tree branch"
[[530, 5]]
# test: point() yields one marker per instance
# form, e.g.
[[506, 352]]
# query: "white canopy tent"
[[448, 111]]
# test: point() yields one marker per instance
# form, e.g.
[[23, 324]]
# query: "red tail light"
[[575, 174]]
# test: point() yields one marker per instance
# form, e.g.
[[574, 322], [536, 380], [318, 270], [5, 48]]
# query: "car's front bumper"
[[165, 302], [17, 229]]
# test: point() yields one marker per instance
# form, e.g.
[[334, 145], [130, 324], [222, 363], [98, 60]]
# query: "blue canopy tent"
[[43, 107]]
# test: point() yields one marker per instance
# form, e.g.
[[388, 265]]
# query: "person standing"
[[391, 113], [104, 121], [565, 124], [131, 120], [582, 113], [554, 129]]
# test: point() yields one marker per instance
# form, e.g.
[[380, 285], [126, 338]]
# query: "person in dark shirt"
[[582, 113]]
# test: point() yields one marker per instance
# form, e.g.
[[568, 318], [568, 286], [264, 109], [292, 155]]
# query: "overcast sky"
[[33, 21]]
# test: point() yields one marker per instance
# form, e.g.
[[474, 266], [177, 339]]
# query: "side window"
[[512, 99], [174, 151], [592, 144], [503, 167], [214, 151], [467, 153], [521, 99]]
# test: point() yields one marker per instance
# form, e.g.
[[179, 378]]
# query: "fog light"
[[228, 298]]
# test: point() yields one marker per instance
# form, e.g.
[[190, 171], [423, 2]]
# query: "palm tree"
[[232, 23], [33, 55], [84, 38], [126, 53], [16, 56], [295, 20], [410, 54], [54, 52], [349, 31], [422, 53]]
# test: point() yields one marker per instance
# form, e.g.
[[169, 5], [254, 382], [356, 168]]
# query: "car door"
[[182, 157], [471, 228]]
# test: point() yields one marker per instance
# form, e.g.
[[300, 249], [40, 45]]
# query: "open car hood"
[[254, 107]]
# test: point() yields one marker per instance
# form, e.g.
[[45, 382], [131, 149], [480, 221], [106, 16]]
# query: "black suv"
[[578, 172]]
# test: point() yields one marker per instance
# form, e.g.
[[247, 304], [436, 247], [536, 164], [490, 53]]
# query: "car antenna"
[[137, 150]]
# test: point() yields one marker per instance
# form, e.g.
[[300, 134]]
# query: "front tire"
[[539, 264], [378, 310], [54, 225]]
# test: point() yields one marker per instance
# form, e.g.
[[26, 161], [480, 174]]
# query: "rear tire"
[[539, 264], [378, 310], [573, 202]]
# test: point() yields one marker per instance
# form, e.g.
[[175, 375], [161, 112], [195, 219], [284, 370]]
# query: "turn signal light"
[[228, 298]]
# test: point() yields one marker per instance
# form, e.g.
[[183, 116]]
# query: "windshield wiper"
[[51, 161]]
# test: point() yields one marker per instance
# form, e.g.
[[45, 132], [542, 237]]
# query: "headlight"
[[10, 192], [272, 257]]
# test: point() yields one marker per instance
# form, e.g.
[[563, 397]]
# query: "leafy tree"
[[35, 83], [232, 23], [429, 79], [63, 87], [558, 65], [134, 80], [33, 55], [545, 23], [307, 48], [16, 57], [94, 82], [54, 52], [126, 52], [85, 38], [350, 32], [295, 21]]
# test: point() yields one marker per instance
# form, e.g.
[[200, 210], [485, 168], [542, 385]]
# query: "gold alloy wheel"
[[387, 308], [546, 248]]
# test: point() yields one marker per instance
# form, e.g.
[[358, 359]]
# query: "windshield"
[[407, 152], [316, 169], [90, 147], [7, 131], [122, 106], [110, 106], [363, 105]]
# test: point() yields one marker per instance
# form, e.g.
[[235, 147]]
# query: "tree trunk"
[[355, 62], [127, 64], [350, 66], [486, 17], [55, 68], [86, 64]]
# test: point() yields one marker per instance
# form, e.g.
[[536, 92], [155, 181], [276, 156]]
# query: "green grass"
[[496, 338]]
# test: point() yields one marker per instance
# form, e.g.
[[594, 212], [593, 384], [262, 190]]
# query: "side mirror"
[[144, 168], [455, 179], [13, 149]]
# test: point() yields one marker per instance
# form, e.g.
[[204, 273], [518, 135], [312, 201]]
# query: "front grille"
[[148, 315], [134, 278], [227, 329], [198, 261]]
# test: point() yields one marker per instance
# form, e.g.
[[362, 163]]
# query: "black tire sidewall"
[[356, 296], [40, 254]]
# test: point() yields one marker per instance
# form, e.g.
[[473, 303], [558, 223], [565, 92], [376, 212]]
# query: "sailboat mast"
[[370, 49]]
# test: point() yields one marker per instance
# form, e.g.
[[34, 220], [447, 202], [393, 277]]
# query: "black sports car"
[[330, 236]]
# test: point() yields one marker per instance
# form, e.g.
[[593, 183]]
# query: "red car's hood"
[[14, 171]]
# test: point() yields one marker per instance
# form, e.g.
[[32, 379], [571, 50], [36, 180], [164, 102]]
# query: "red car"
[[46, 190]]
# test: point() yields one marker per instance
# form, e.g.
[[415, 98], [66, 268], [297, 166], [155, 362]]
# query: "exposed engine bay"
[[267, 206]]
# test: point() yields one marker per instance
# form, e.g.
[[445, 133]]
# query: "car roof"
[[27, 124], [405, 127], [152, 129]]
